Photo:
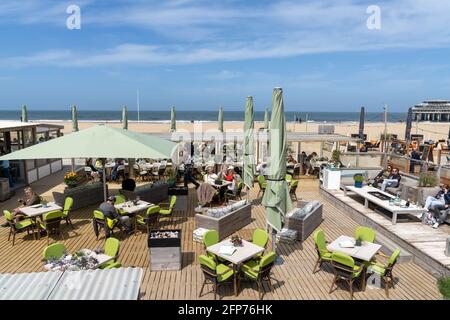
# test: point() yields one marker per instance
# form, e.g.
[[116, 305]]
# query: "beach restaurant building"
[[15, 135]]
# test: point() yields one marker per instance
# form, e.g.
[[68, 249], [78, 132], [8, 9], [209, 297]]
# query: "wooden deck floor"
[[428, 241], [294, 276]]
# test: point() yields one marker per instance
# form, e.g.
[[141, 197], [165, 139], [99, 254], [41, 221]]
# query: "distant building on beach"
[[432, 110]]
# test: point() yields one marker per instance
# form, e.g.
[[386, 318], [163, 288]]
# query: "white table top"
[[39, 209], [244, 253], [364, 192], [129, 206], [365, 252]]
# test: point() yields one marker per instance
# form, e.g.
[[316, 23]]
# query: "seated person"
[[290, 160], [383, 174], [95, 172], [440, 211], [114, 171], [233, 187], [230, 174], [110, 212], [31, 199], [392, 181], [210, 176], [128, 184]]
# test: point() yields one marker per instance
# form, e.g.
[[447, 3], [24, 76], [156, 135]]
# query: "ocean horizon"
[[189, 116]]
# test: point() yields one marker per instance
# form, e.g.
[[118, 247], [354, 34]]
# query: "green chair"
[[323, 255], [107, 224], [259, 271], [236, 196], [112, 246], [385, 270], [17, 227], [293, 189], [365, 234], [288, 177], [120, 199], [54, 251], [51, 222], [262, 184], [260, 238], [166, 211], [151, 217], [344, 268], [210, 237], [68, 203], [216, 274]]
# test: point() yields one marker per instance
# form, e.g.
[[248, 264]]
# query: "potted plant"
[[444, 287], [335, 159], [172, 177], [359, 179], [71, 179], [428, 180]]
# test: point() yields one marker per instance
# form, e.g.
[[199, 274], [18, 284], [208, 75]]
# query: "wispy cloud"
[[203, 31]]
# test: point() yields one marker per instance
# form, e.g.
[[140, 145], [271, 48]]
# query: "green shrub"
[[358, 177], [444, 287], [428, 180]]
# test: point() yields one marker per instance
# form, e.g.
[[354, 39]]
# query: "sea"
[[190, 116]]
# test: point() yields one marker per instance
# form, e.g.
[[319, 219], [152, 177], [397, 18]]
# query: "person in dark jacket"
[[415, 158], [393, 180], [110, 212]]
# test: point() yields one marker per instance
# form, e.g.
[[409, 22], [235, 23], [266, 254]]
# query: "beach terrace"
[[293, 277]]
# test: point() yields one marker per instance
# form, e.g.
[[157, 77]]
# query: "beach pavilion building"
[[16, 135], [432, 110]]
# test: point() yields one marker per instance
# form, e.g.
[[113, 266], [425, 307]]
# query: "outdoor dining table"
[[365, 252], [37, 210], [242, 253], [220, 186], [132, 208]]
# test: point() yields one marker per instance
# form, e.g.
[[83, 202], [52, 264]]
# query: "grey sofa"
[[227, 224], [152, 192], [83, 196], [308, 223]]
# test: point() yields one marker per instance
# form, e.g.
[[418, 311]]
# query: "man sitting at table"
[[392, 181], [110, 212]]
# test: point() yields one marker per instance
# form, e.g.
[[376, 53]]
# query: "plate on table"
[[347, 244]]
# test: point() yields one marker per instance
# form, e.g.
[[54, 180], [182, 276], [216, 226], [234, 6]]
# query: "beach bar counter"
[[15, 135]]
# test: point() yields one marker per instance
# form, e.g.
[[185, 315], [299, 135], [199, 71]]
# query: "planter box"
[[332, 179], [83, 196], [307, 224], [227, 224], [178, 191], [153, 192], [165, 253]]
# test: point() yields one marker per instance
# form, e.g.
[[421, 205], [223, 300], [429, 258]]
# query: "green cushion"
[[165, 211], [111, 265], [251, 269], [377, 268], [325, 255], [227, 272], [23, 224], [140, 220], [357, 270]]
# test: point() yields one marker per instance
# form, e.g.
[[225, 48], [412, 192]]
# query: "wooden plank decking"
[[294, 276], [430, 243]]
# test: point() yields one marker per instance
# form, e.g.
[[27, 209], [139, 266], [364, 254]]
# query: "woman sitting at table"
[[211, 176], [31, 199], [230, 174]]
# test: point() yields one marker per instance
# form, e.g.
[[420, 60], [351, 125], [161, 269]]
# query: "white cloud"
[[204, 31]]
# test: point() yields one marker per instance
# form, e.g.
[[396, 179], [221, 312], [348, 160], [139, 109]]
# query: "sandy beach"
[[433, 131]]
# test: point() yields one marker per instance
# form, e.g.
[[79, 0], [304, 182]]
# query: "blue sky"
[[199, 54]]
